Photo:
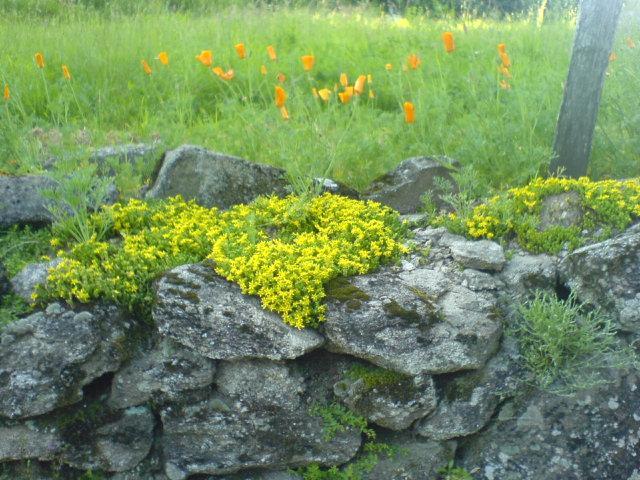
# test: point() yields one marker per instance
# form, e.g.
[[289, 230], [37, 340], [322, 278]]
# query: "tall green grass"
[[502, 137]]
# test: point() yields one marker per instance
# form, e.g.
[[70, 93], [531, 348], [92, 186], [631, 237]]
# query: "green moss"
[[394, 309], [342, 290], [375, 377]]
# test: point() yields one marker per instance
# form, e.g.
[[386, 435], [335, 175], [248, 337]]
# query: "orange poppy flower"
[[344, 80], [272, 53], [241, 51], [630, 42], [308, 61], [7, 93], [205, 58], [39, 58], [449, 44], [324, 94], [388, 67], [502, 48], [413, 61], [358, 88], [504, 71], [163, 57], [146, 67], [281, 96], [506, 61], [66, 73], [263, 70], [345, 97], [409, 112], [281, 77], [284, 112], [228, 75]]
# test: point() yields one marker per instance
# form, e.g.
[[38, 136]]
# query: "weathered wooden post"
[[579, 111]]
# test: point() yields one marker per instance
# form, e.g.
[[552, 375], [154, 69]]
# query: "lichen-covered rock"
[[107, 157], [87, 436], [163, 374], [22, 202], [607, 275], [412, 324], [592, 435], [47, 357], [478, 254], [470, 399], [255, 419], [27, 280], [394, 404], [415, 458], [214, 179], [336, 188], [524, 274], [208, 314], [403, 188], [259, 475]]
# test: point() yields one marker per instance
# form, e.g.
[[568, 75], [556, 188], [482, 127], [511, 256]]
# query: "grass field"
[[501, 136]]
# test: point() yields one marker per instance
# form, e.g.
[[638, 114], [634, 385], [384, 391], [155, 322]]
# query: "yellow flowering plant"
[[607, 205], [283, 250]]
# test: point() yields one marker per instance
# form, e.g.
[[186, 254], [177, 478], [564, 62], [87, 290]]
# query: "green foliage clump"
[[451, 472], [607, 205], [11, 308], [20, 246], [562, 342], [337, 418], [375, 377], [283, 250]]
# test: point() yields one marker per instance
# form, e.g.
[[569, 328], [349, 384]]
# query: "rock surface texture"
[[419, 352], [22, 202]]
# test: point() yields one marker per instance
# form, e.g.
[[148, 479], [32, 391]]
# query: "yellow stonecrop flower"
[[283, 250], [607, 205]]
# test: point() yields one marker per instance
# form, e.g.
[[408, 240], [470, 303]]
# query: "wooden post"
[[579, 111]]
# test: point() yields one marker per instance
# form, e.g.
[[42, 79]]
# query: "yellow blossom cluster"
[[607, 205], [283, 250]]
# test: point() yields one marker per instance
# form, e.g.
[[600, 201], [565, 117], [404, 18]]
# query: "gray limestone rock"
[[478, 254], [203, 311], [21, 200], [412, 325], [259, 475], [26, 281], [403, 188], [470, 399], [256, 419], [415, 458], [590, 435], [561, 210], [215, 179], [163, 374], [524, 274], [47, 357], [105, 157], [607, 275], [394, 404]]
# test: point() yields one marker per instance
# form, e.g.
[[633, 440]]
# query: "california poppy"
[[358, 88], [281, 77], [504, 71], [409, 112], [228, 75], [413, 61], [345, 97], [281, 96], [324, 94], [308, 61], [163, 57], [146, 67], [205, 57], [272, 53], [241, 51], [506, 61], [7, 93], [449, 44], [66, 73], [39, 59], [344, 80], [502, 48]]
